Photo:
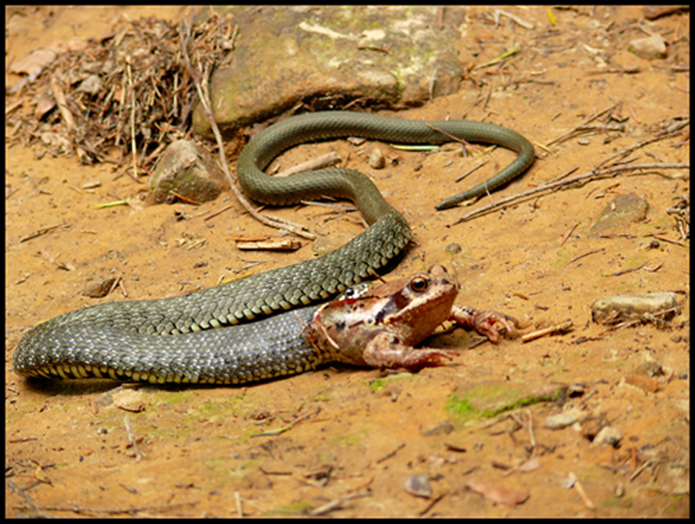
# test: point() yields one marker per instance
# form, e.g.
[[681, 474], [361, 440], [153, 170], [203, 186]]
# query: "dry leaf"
[[531, 464], [33, 63]]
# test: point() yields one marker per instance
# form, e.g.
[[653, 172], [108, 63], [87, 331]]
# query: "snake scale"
[[128, 340]]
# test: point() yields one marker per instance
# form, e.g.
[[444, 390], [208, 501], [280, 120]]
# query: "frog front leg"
[[386, 351], [484, 322]]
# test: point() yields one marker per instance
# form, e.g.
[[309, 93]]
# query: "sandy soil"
[[342, 441]]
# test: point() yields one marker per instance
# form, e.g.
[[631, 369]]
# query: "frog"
[[380, 326]]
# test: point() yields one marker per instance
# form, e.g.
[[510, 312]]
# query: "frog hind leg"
[[385, 351]]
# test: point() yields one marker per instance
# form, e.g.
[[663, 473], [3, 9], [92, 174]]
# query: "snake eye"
[[419, 284]]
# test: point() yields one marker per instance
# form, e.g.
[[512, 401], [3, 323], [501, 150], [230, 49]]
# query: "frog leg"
[[484, 322], [386, 351]]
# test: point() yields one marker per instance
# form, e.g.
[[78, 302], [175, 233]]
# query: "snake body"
[[123, 338]]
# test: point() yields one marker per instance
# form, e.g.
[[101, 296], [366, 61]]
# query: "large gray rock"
[[328, 57]]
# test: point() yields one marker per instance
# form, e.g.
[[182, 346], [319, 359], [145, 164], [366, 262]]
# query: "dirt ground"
[[343, 441]]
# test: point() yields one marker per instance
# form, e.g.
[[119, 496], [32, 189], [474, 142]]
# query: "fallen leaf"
[[530, 465], [33, 63]]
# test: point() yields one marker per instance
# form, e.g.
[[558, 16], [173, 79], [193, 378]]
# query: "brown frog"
[[380, 327]]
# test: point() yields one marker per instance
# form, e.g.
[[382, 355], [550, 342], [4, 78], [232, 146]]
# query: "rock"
[[646, 384], [608, 435], [453, 249], [560, 421], [657, 11], [613, 310], [418, 485], [189, 171], [650, 369], [99, 289], [591, 427], [650, 48], [328, 57], [377, 159], [620, 212]]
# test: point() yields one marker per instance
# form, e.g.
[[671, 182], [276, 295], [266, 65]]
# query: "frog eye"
[[418, 284]]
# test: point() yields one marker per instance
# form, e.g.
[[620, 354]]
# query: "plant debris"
[[128, 93]]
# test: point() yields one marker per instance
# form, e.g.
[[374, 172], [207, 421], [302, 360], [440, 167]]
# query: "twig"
[[557, 328], [62, 105], [674, 130], [326, 160], [27, 498], [132, 510], [391, 453], [239, 510], [42, 231], [583, 178], [516, 19], [587, 121], [452, 137], [471, 171], [139, 455], [670, 240], [133, 145], [386, 49], [568, 234], [334, 504], [579, 257]]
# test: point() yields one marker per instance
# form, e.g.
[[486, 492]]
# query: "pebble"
[[649, 48], [560, 421], [608, 435], [377, 159], [418, 485]]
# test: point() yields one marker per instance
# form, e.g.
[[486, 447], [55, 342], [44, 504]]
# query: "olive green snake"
[[127, 340]]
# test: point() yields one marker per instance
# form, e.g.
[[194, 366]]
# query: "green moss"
[[378, 384], [487, 401], [348, 440]]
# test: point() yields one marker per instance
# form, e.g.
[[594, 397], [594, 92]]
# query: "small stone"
[[649, 48], [99, 289], [453, 248], [418, 485], [560, 421], [647, 384], [443, 428], [377, 159], [186, 170], [608, 435], [617, 217], [613, 310], [619, 490], [590, 428], [650, 369]]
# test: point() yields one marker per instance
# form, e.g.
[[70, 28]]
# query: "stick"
[[583, 178]]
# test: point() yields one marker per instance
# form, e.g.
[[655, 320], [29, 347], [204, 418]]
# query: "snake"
[[250, 329]]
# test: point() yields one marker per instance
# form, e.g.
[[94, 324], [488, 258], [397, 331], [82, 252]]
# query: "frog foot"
[[484, 322]]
